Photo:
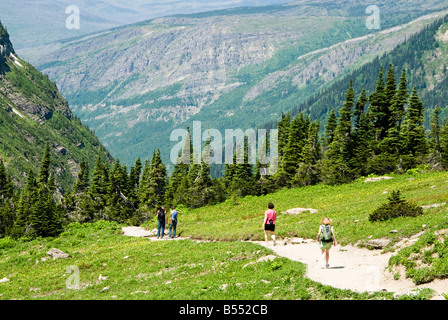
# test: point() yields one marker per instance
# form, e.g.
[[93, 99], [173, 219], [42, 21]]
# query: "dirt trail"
[[353, 268]]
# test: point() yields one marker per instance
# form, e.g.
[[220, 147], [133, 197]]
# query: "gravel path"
[[353, 268]]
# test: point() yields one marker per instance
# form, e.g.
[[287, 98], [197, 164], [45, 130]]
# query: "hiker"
[[269, 223], [173, 222], [161, 218], [327, 239]]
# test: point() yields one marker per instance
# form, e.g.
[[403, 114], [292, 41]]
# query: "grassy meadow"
[[348, 205], [111, 266]]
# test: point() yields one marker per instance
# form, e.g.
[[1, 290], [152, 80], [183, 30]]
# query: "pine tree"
[[444, 144], [283, 132], [413, 132], [6, 188], [330, 129], [153, 184], [434, 136], [201, 191], [362, 139], [82, 183], [7, 214], [181, 168], [44, 173], [399, 102], [379, 110], [309, 169], [293, 149], [336, 163], [239, 178]]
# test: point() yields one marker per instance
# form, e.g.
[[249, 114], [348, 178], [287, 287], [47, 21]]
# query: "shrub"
[[396, 207], [7, 243]]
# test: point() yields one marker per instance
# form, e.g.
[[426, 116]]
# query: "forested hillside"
[[34, 114], [424, 57]]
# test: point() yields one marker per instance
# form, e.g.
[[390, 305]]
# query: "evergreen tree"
[[44, 173], [434, 136], [444, 144], [399, 102], [181, 168], [238, 175], [293, 149], [336, 164], [83, 177], [379, 109], [413, 132], [283, 132], [153, 184], [6, 188], [309, 169], [330, 129], [7, 214]]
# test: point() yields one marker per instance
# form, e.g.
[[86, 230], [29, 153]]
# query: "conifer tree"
[[330, 129], [444, 144], [413, 132], [293, 149], [283, 132], [434, 137], [399, 101], [82, 183], [336, 163], [44, 173], [153, 183], [181, 168], [6, 188], [379, 110], [309, 169], [7, 214]]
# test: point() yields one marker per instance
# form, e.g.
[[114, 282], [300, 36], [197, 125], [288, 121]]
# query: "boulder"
[[373, 179], [300, 210], [378, 243], [57, 254]]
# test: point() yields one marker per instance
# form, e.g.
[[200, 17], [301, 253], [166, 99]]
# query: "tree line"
[[377, 133]]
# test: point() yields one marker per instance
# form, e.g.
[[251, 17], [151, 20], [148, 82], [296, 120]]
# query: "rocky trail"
[[351, 267]]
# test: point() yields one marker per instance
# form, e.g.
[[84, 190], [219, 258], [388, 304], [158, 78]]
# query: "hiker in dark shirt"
[[161, 217], [173, 222]]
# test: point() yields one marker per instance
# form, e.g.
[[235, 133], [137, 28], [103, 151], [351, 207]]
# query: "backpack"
[[326, 234], [160, 215]]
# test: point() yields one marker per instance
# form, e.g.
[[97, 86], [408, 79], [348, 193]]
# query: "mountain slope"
[[424, 57], [229, 69], [33, 113]]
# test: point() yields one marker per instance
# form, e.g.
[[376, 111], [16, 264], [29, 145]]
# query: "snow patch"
[[15, 59]]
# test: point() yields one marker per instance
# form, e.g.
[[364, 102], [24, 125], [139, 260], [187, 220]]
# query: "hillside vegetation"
[[33, 113], [112, 266]]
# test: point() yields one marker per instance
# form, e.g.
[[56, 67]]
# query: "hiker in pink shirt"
[[269, 223]]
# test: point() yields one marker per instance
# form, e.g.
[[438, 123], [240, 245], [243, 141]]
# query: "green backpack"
[[326, 235]]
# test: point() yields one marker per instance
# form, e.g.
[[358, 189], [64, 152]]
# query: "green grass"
[[348, 205], [136, 268]]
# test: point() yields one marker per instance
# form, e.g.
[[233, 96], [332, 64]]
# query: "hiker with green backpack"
[[326, 239]]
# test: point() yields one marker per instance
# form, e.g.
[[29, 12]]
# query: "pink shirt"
[[271, 215]]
